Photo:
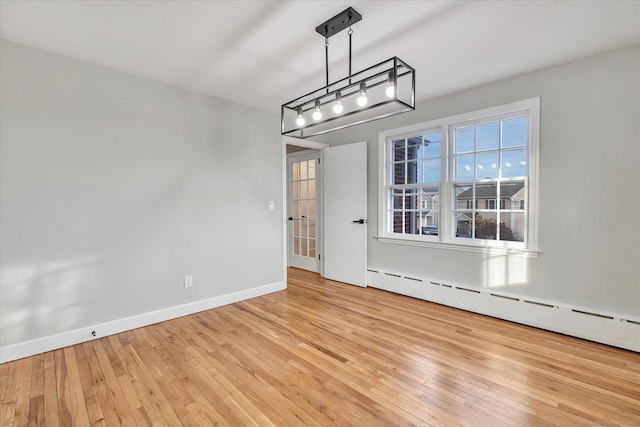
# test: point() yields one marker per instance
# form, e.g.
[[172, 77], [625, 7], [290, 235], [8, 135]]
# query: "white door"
[[345, 213], [303, 177]]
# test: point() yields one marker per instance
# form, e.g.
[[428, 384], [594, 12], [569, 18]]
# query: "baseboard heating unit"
[[595, 325]]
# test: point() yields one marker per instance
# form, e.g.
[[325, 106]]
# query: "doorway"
[[304, 177], [338, 231]]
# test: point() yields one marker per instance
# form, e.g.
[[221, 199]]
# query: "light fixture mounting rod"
[[343, 20]]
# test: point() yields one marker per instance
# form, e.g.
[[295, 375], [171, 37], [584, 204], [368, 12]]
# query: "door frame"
[[306, 143]]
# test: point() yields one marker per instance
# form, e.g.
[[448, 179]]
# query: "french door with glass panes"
[[303, 188]]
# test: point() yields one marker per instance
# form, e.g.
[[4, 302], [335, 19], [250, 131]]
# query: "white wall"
[[589, 187], [114, 187]]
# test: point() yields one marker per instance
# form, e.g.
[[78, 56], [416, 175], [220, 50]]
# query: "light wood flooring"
[[323, 353]]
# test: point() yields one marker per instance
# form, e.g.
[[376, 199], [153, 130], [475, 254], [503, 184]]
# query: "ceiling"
[[265, 53]]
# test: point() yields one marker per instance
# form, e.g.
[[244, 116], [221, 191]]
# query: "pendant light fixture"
[[382, 90]]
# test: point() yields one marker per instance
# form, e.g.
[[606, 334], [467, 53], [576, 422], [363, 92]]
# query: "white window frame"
[[418, 185], [446, 239]]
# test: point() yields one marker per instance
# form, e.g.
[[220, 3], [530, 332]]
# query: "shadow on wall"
[[42, 297]]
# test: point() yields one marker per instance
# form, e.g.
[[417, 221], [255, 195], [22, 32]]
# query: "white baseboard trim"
[[592, 324], [53, 342]]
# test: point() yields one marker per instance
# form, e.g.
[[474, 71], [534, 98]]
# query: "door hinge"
[[318, 160], [319, 257]]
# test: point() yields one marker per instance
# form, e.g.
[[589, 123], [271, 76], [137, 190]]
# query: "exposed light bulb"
[[300, 120], [337, 106], [362, 99], [362, 96], [317, 114], [391, 89]]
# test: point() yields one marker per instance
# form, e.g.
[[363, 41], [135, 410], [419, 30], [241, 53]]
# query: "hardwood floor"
[[323, 353]]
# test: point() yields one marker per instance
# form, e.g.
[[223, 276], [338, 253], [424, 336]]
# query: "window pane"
[[512, 226], [485, 226], [399, 152], [312, 208], [514, 163], [312, 248], [514, 132], [312, 188], [512, 195], [396, 200], [463, 224], [485, 195], [465, 139], [303, 248], [312, 229], [412, 173], [398, 222], [412, 223], [304, 208], [432, 145], [431, 170], [295, 168], [414, 146], [303, 170], [312, 169], [464, 167], [488, 136], [399, 173], [296, 246], [429, 215], [429, 198], [428, 230], [295, 192], [487, 165], [464, 195], [296, 228], [411, 199], [303, 189]]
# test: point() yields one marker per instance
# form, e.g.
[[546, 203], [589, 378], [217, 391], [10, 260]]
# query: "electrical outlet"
[[188, 281]]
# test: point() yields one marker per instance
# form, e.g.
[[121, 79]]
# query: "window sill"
[[489, 250]]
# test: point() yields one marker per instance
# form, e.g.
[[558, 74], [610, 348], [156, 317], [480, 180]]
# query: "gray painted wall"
[[589, 186], [114, 187]]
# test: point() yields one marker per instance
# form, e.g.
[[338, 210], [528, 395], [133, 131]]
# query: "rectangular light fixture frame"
[[375, 78]]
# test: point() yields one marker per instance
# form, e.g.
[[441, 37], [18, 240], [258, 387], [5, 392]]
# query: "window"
[[414, 184], [489, 159], [468, 181]]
